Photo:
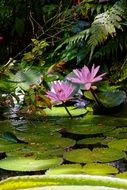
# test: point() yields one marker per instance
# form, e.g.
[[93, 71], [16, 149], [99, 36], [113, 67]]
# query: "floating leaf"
[[92, 168], [61, 112], [120, 132], [120, 144], [76, 182], [122, 175], [99, 169], [88, 141], [96, 155], [111, 98], [28, 164], [65, 169], [90, 124]]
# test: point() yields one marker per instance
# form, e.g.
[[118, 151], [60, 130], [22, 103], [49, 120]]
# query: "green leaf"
[[28, 164], [96, 155], [99, 169], [88, 141], [76, 182], [122, 175], [120, 144], [61, 112], [112, 98], [65, 169]]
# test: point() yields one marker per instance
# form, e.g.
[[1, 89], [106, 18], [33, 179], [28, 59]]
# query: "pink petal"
[[94, 70], [51, 95], [85, 72], [78, 73], [98, 78]]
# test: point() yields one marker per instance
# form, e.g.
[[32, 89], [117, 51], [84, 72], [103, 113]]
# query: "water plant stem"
[[95, 97], [67, 110]]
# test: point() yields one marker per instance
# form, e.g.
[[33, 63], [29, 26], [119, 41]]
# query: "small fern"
[[105, 24]]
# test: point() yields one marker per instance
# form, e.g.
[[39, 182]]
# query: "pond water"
[[91, 144]]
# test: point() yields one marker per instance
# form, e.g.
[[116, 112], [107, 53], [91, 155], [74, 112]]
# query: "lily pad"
[[61, 112], [120, 133], [72, 187], [99, 169], [92, 141], [122, 175], [96, 155], [90, 124], [65, 169], [28, 164], [111, 98], [92, 168], [120, 144]]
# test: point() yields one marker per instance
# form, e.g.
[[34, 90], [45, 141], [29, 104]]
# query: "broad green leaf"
[[76, 181], [111, 98], [93, 141], [122, 175], [99, 169], [28, 164], [120, 144], [61, 112], [65, 169], [84, 155]]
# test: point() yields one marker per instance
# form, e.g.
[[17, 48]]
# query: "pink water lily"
[[86, 77], [60, 91]]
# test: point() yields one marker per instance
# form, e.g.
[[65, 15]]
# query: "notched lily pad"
[[92, 141], [120, 144], [99, 169], [120, 133], [122, 175], [96, 155], [91, 124], [65, 169], [28, 164], [61, 112]]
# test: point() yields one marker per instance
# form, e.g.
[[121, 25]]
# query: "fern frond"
[[92, 9], [113, 48], [105, 24], [76, 38]]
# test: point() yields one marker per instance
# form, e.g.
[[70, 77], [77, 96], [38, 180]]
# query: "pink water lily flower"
[[60, 91], [85, 77]]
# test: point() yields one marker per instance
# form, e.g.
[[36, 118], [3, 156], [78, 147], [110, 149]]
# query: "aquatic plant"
[[85, 77], [60, 92]]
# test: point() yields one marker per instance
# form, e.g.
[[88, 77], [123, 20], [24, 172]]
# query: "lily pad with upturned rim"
[[28, 164]]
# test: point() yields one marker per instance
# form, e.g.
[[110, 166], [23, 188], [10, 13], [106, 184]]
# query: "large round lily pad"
[[96, 155], [120, 144], [91, 124], [120, 133], [99, 169], [61, 112], [92, 141], [92, 168], [122, 175], [28, 164], [65, 169]]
